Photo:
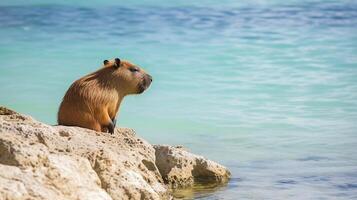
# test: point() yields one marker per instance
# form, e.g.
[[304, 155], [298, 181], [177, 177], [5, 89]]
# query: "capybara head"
[[130, 78]]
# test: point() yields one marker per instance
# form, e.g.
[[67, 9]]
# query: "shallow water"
[[268, 89]]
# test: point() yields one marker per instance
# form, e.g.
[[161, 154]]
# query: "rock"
[[39, 161], [180, 168]]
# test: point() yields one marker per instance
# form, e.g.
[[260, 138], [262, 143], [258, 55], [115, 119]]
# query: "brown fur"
[[93, 101]]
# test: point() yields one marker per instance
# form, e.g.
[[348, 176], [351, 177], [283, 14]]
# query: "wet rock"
[[180, 168]]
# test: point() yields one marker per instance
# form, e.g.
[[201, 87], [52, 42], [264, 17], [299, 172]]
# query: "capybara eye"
[[105, 62], [133, 69]]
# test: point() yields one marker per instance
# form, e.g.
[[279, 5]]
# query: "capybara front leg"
[[111, 127], [114, 120]]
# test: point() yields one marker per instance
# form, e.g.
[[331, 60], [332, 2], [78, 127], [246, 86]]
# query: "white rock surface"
[[38, 161]]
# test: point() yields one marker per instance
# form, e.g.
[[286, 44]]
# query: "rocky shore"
[[39, 161]]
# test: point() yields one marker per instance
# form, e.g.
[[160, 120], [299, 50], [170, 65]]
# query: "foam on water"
[[268, 89]]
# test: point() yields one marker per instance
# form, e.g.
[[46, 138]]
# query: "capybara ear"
[[117, 62], [105, 62]]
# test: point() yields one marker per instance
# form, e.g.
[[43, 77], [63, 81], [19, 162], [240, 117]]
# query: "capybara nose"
[[150, 78]]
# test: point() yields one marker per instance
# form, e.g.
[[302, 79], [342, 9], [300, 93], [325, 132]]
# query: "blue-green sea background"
[[267, 88]]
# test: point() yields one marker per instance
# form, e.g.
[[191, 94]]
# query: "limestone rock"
[[180, 168], [39, 161]]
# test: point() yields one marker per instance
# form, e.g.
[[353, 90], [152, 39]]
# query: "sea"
[[267, 88]]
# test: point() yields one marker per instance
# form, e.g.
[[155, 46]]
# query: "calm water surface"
[[267, 89]]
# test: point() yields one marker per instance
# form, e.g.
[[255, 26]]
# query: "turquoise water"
[[268, 89]]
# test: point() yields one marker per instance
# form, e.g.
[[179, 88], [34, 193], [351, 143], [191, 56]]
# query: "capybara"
[[93, 101]]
